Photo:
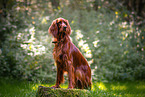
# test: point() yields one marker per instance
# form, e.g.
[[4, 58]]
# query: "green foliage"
[[25, 55], [113, 46]]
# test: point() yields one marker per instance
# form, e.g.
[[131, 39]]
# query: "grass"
[[14, 88], [119, 89]]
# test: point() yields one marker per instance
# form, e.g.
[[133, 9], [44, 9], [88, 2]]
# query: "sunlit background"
[[109, 33]]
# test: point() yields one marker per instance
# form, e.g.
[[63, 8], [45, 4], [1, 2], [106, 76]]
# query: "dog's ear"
[[68, 30], [53, 29]]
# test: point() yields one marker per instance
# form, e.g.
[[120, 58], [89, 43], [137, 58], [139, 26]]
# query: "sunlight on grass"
[[65, 86], [113, 87], [117, 95], [140, 87], [133, 95], [35, 87], [99, 85]]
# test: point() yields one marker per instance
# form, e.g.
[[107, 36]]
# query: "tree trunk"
[[55, 3]]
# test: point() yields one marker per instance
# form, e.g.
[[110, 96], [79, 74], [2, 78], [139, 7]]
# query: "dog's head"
[[59, 28]]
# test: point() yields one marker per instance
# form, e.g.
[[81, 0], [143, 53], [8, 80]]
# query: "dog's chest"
[[58, 55]]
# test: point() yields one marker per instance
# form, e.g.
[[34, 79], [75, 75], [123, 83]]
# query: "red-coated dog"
[[68, 57]]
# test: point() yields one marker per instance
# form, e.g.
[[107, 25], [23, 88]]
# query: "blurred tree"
[[136, 5], [3, 4], [96, 4], [55, 3], [5, 7]]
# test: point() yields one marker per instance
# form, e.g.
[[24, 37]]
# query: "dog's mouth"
[[54, 40], [64, 29]]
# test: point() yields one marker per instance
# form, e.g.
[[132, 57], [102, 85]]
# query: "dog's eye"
[[59, 22], [65, 23]]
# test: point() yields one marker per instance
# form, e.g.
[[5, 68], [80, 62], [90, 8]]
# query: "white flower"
[[96, 43], [32, 30], [97, 32], [24, 46], [91, 61], [111, 22], [81, 43], [19, 35], [79, 34], [31, 54], [47, 17], [88, 55]]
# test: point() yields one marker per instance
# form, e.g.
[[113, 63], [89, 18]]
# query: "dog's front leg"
[[71, 78], [60, 77]]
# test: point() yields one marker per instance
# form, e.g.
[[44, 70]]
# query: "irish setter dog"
[[68, 58]]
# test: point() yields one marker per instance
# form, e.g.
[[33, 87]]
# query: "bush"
[[113, 46]]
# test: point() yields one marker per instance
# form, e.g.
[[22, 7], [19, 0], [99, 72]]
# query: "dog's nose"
[[65, 27]]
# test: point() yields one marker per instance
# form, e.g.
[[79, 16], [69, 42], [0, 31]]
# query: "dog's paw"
[[53, 87]]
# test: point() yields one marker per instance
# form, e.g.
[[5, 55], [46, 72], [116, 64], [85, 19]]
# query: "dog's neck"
[[56, 41], [62, 40]]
